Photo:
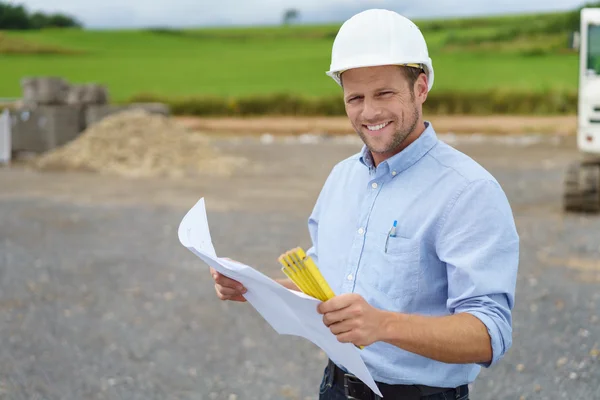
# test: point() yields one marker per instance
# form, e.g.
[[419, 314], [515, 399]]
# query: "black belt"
[[356, 389]]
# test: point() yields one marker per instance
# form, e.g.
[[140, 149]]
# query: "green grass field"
[[511, 53]]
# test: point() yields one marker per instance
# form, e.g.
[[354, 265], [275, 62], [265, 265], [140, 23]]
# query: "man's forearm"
[[288, 283], [454, 339]]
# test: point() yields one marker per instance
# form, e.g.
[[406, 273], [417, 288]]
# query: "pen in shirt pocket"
[[391, 233]]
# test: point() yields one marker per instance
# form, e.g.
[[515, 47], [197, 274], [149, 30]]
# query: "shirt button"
[[374, 185], [361, 231], [350, 277], [394, 173]]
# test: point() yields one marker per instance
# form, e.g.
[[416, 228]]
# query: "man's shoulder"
[[460, 165]]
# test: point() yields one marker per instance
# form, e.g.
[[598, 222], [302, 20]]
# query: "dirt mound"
[[139, 144]]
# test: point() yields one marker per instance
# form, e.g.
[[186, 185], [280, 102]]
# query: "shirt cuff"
[[497, 342]]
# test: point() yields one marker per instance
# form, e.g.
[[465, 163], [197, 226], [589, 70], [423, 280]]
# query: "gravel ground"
[[98, 300]]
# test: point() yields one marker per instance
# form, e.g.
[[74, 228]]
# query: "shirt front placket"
[[374, 186]]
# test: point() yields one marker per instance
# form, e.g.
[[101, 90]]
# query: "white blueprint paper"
[[287, 311]]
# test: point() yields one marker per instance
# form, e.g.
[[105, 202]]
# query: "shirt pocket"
[[394, 272]]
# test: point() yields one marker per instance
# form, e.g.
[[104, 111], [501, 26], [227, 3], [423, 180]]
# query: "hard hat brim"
[[336, 74]]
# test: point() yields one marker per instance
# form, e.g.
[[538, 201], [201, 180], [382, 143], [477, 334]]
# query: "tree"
[[13, 16], [290, 15], [62, 21], [38, 20]]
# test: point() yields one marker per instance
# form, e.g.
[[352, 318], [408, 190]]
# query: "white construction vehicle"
[[582, 180]]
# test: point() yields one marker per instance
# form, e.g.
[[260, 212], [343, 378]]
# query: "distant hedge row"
[[12, 45], [482, 103], [518, 25]]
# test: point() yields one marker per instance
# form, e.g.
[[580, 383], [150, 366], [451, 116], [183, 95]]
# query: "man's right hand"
[[227, 288]]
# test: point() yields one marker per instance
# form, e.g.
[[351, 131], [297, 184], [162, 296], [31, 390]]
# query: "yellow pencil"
[[301, 275], [316, 289], [314, 271], [292, 274]]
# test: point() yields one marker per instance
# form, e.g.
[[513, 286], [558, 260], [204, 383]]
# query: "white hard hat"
[[379, 37]]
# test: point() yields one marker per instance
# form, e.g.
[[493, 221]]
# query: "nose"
[[371, 111]]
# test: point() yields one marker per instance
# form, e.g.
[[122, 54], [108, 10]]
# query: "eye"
[[385, 93], [354, 99]]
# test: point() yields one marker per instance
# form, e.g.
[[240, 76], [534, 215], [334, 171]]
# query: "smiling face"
[[384, 107]]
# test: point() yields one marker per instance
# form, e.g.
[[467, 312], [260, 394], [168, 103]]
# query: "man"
[[416, 238]]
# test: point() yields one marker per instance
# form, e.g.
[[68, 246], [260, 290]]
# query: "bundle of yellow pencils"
[[302, 270]]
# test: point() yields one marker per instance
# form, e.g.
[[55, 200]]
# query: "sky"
[[197, 13]]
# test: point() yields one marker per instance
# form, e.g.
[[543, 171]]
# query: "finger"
[[227, 291], [228, 282], [336, 316], [239, 298], [336, 303], [236, 296], [341, 327], [235, 286], [346, 337], [220, 295], [225, 281]]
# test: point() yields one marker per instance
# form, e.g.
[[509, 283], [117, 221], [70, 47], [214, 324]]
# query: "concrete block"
[[87, 94], [45, 127], [27, 132], [44, 91]]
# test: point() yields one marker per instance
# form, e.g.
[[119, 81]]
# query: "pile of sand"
[[139, 144]]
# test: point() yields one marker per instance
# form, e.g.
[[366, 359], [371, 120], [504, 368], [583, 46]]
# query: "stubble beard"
[[406, 127]]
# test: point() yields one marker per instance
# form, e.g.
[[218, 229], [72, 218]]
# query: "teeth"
[[377, 127]]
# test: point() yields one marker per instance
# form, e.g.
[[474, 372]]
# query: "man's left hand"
[[352, 319]]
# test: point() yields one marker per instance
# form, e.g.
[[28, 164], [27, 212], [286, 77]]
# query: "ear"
[[421, 88]]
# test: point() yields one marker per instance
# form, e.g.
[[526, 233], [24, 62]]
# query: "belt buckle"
[[350, 379]]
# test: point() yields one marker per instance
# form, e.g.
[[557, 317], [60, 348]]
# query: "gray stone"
[[88, 94], [28, 87], [95, 94], [45, 127], [75, 95], [44, 91]]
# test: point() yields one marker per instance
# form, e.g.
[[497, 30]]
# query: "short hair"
[[411, 74]]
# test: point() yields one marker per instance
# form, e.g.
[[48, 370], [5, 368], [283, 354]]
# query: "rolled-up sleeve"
[[479, 244]]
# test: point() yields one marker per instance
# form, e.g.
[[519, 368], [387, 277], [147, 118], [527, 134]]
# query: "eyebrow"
[[381, 89], [385, 89]]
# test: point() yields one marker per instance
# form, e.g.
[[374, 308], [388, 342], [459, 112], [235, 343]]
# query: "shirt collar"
[[408, 156]]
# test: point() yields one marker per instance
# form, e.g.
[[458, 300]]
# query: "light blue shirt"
[[456, 248]]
